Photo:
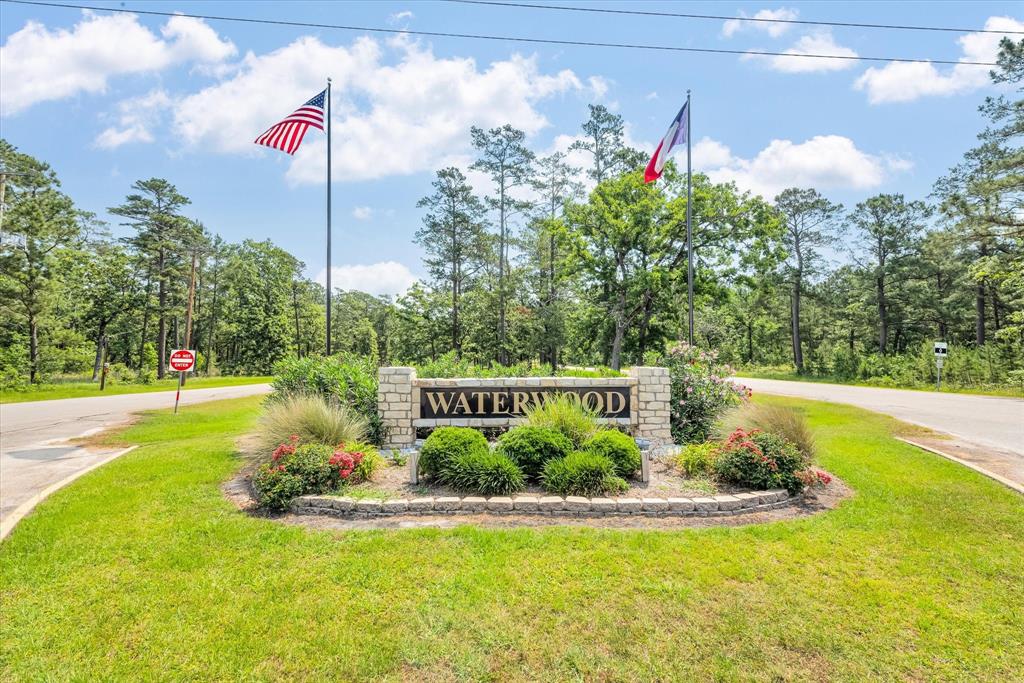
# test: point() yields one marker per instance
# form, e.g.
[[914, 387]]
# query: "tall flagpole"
[[328, 108], [689, 228]]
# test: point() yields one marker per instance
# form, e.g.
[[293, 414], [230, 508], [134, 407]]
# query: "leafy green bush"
[[564, 413], [701, 392], [698, 459], [311, 463], [347, 380], [531, 447], [484, 472], [582, 473], [313, 419], [760, 460], [276, 486], [447, 443], [620, 448]]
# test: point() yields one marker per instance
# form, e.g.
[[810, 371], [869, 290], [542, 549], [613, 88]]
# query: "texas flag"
[[677, 134]]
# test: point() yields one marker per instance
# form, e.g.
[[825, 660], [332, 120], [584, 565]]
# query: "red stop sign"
[[182, 360]]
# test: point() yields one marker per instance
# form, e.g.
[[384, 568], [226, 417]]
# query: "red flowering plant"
[[701, 391], [347, 462], [814, 478], [760, 460]]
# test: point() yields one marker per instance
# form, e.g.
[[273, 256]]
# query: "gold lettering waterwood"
[[505, 402]]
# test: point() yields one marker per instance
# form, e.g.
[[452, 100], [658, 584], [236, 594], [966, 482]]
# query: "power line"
[[512, 39], [715, 17]]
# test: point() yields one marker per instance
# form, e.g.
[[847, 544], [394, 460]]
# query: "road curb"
[[7, 526], [980, 470]]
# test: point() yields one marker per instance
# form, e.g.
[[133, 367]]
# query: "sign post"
[[182, 361], [940, 355]]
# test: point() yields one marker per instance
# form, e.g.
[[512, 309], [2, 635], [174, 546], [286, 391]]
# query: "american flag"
[[287, 135]]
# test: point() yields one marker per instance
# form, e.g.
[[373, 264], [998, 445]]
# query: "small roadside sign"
[[182, 361], [941, 350]]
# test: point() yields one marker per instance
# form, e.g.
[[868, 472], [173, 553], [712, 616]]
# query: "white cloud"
[[598, 86], [39, 65], [386, 277], [362, 213], [400, 16], [823, 162], [816, 43], [733, 26], [653, 95], [908, 81], [398, 109], [136, 118]]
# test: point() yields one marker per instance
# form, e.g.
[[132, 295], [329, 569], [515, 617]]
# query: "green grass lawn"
[[1011, 391], [46, 392], [142, 570]]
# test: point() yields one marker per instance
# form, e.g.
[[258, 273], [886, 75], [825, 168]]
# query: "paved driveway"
[[985, 420], [34, 454]]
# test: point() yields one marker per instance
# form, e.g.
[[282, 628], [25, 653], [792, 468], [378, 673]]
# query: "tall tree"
[[454, 237], [506, 159], [810, 222], [162, 236], [887, 227], [39, 223], [603, 134]]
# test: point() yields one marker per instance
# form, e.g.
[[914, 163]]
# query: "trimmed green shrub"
[[275, 486], [447, 443], [620, 448], [486, 473], [531, 447], [313, 419], [311, 463], [698, 459], [760, 460], [566, 414], [582, 473]]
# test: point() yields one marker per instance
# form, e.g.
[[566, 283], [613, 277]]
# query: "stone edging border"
[[570, 506]]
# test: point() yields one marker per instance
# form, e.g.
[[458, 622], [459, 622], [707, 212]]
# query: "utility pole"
[[188, 313]]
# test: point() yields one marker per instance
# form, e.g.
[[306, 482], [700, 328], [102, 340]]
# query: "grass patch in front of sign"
[[83, 389], [142, 570]]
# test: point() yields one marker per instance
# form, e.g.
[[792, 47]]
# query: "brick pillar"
[[653, 395], [394, 404]]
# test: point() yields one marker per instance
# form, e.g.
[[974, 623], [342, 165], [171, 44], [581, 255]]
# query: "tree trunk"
[[798, 352], [99, 351], [620, 332], [997, 322], [33, 348], [883, 316], [295, 308], [553, 351], [145, 321], [162, 325], [750, 341], [979, 311]]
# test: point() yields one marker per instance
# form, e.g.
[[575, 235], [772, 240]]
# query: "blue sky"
[[121, 97]]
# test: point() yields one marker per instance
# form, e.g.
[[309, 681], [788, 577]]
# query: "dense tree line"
[[538, 270]]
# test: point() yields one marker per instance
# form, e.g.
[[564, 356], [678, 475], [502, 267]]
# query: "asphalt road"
[[34, 454], [984, 420]]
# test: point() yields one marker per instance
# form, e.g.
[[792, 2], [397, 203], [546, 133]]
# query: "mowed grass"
[[1008, 390], [142, 570], [48, 392]]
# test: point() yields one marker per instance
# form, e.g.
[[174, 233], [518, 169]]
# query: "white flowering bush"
[[701, 391]]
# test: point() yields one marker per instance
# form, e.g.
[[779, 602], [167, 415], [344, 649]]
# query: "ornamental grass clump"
[[313, 419], [698, 459], [620, 448], [582, 473], [783, 421], [567, 414], [531, 447]]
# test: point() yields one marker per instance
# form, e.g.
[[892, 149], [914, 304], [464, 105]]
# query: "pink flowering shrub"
[[760, 460], [813, 478], [701, 391], [296, 470]]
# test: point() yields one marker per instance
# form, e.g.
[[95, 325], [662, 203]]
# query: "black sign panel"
[[491, 402]]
